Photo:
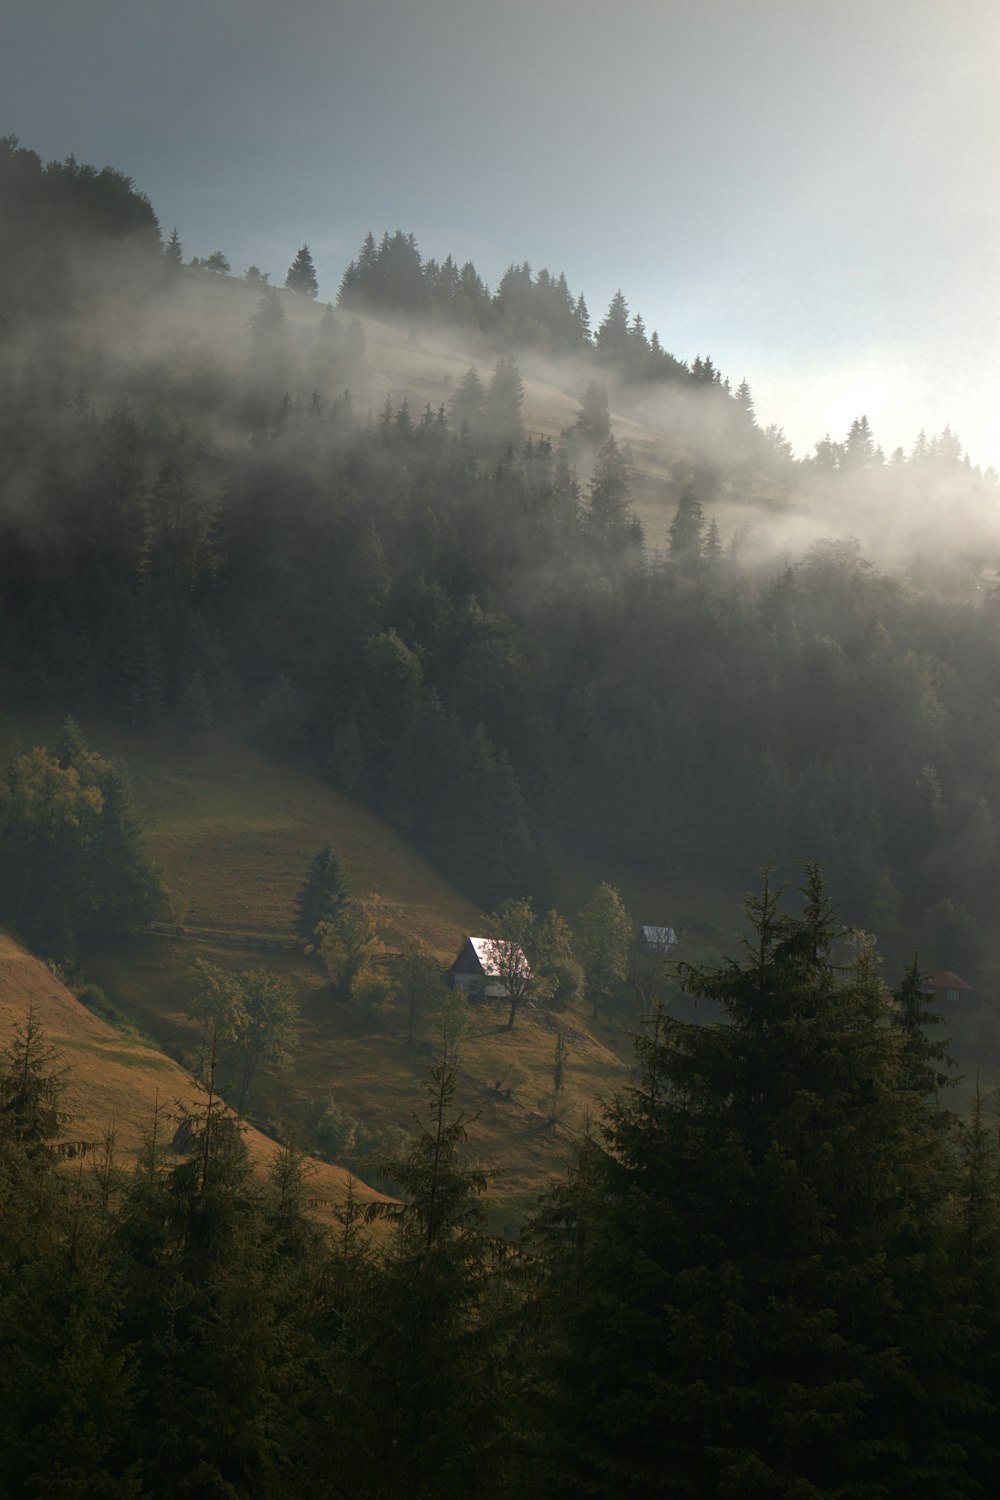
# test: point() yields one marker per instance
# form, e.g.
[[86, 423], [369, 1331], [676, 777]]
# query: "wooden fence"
[[230, 939]]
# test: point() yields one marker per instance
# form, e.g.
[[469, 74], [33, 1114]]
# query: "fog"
[[129, 332]]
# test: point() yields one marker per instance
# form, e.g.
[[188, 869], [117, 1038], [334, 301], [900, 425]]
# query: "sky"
[[808, 191]]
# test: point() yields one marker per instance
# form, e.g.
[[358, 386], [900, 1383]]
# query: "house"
[[659, 940], [946, 985], [476, 970]]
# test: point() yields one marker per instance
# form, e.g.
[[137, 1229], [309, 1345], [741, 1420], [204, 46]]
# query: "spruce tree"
[[468, 401], [502, 409], [609, 514], [687, 531], [65, 1383], [323, 895], [202, 1315], [593, 421], [749, 1273], [301, 276], [173, 254], [613, 335], [438, 1355]]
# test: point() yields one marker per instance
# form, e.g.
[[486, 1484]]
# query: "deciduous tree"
[[352, 942], [605, 938], [511, 931]]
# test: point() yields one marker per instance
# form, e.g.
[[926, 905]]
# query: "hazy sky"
[[807, 191]]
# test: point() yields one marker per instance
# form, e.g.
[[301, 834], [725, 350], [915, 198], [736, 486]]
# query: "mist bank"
[[93, 297], [507, 589], [190, 331]]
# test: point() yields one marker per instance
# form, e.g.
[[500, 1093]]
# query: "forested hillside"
[[453, 611], [772, 1272], [548, 600]]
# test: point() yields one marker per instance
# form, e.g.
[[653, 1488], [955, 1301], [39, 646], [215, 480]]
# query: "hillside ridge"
[[117, 1082]]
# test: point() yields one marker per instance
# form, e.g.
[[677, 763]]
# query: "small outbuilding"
[[476, 970], [946, 985]]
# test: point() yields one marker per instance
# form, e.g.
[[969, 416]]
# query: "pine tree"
[[323, 895], [859, 446], [713, 546], [593, 421], [65, 1387], [744, 400], [201, 1278], [468, 402], [301, 276], [502, 408], [609, 515], [173, 254], [687, 531], [581, 321], [439, 1353], [612, 338], [750, 1270], [921, 1059]]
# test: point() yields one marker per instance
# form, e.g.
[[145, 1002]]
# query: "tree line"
[[467, 636], [461, 624], [772, 1270], [72, 864]]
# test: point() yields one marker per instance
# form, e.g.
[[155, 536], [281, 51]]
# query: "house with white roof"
[[478, 966]]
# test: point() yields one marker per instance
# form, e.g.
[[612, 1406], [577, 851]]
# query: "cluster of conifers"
[[773, 1271]]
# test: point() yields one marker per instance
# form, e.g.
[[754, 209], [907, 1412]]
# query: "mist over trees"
[[458, 619], [773, 1268]]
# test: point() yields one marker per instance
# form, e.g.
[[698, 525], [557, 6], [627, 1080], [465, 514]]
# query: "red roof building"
[[947, 984]]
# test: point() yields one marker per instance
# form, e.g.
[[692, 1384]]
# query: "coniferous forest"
[[772, 1269]]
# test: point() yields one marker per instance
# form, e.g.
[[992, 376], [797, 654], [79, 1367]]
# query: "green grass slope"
[[233, 832], [116, 1081]]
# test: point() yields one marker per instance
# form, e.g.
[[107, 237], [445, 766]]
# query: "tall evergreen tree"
[[749, 1273], [687, 531], [323, 895], [173, 253], [301, 276], [468, 402], [612, 337], [502, 409], [65, 1377], [593, 420], [609, 516], [438, 1359]]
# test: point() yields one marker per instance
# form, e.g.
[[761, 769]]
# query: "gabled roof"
[[659, 937], [944, 979], [484, 949]]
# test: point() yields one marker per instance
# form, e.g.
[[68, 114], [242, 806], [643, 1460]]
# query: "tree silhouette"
[[301, 276]]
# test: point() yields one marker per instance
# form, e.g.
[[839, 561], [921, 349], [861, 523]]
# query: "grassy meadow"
[[233, 832]]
